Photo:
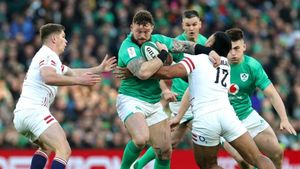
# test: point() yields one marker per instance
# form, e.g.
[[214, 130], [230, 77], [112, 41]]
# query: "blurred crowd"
[[96, 27]]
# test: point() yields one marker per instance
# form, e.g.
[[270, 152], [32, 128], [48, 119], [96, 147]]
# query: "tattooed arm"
[[144, 69], [195, 49], [183, 47]]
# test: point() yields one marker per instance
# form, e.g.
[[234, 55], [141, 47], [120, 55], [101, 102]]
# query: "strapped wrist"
[[202, 49], [163, 55]]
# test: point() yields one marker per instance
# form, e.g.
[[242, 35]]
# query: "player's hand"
[[286, 125], [108, 64], [174, 122], [214, 58], [88, 79], [161, 46], [169, 96], [122, 73]]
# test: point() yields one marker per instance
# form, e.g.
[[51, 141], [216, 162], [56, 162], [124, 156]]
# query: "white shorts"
[[255, 124], [127, 105], [188, 116], [33, 122], [209, 127]]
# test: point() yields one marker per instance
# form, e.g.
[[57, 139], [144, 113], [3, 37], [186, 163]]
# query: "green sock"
[[131, 153], [161, 164], [145, 159]]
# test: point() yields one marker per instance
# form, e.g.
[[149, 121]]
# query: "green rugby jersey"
[[146, 90], [178, 85], [245, 77]]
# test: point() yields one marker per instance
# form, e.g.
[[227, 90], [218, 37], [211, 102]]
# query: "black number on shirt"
[[224, 73]]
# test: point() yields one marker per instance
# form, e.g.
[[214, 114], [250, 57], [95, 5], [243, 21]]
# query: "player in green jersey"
[[247, 74], [191, 24], [138, 100]]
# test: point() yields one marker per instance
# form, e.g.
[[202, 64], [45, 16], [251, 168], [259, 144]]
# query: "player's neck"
[[52, 47]]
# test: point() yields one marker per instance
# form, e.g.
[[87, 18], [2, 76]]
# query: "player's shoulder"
[[159, 37], [45, 51], [128, 46], [181, 37], [126, 42], [197, 59], [252, 62]]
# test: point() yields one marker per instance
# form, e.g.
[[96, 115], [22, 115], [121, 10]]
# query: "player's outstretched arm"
[[50, 77], [278, 104], [108, 64]]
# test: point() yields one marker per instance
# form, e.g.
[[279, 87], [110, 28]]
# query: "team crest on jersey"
[[131, 52], [234, 89], [244, 76]]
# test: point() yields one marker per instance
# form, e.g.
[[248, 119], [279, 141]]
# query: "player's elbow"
[[144, 75]]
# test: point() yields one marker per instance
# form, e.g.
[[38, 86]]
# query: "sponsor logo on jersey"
[[131, 52], [234, 89], [244, 76]]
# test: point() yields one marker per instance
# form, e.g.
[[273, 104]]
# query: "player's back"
[[208, 85]]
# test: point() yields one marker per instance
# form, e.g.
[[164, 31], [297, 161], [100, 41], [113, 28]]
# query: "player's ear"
[[244, 46], [53, 38]]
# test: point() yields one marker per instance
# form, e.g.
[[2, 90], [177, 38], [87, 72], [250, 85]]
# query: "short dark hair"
[[190, 14], [143, 17], [235, 34], [222, 43], [49, 29]]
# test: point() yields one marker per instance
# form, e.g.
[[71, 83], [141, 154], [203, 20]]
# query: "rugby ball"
[[149, 50]]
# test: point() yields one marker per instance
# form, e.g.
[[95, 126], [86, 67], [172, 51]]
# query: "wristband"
[[202, 49], [163, 55]]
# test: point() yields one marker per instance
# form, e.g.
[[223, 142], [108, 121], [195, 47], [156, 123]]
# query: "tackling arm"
[[169, 72]]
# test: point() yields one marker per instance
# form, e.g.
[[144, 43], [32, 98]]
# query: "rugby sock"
[[131, 153], [161, 164], [39, 160], [58, 163], [145, 159]]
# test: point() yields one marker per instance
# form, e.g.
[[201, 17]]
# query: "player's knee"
[[64, 150], [68, 151], [277, 155], [140, 141]]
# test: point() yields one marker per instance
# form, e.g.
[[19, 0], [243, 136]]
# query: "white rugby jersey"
[[34, 91], [208, 86]]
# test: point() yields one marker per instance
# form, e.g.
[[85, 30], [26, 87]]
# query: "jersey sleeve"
[[126, 54], [48, 60], [190, 62], [262, 80], [64, 69]]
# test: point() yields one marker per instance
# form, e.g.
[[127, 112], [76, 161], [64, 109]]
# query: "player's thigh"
[[267, 142], [205, 156], [137, 127], [160, 135], [55, 137], [178, 134], [246, 146], [33, 122], [255, 124]]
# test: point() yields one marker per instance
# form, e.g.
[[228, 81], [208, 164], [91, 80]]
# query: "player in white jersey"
[[32, 117], [213, 115]]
